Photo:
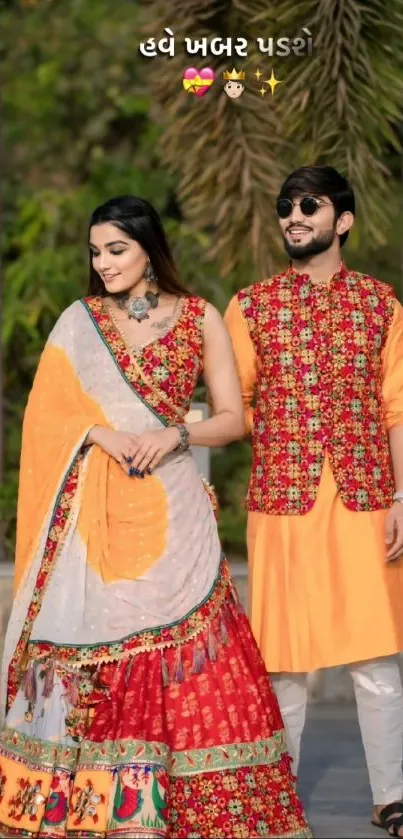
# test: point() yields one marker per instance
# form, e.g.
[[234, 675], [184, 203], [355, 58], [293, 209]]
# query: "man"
[[319, 350]]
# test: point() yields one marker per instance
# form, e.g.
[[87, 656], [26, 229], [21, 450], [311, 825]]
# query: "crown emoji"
[[233, 75]]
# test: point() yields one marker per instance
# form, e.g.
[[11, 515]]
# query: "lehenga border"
[[176, 634], [222, 758], [46, 756], [230, 787]]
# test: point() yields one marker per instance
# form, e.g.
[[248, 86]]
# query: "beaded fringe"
[[206, 647]]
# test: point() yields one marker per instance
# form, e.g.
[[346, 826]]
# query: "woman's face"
[[119, 260]]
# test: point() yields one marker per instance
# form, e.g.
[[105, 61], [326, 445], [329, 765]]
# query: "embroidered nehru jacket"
[[318, 390]]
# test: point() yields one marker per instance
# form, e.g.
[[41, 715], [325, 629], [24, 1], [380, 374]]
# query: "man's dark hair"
[[321, 180]]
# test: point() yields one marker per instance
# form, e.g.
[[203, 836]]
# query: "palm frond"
[[345, 103], [340, 106], [228, 154]]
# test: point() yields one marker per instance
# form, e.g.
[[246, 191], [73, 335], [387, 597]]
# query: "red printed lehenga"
[[136, 702]]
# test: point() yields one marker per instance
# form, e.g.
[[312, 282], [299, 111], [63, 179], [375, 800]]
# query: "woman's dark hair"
[[321, 180], [141, 222]]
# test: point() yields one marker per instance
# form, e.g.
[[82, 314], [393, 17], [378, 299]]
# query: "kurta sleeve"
[[245, 356], [393, 370]]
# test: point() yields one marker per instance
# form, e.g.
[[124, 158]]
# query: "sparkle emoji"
[[272, 83], [233, 83]]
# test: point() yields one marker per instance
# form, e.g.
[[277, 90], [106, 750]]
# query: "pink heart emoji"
[[198, 81]]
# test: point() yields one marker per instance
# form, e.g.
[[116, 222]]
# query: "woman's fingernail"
[[132, 471], [149, 471]]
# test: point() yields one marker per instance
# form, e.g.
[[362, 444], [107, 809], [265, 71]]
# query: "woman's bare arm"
[[220, 374]]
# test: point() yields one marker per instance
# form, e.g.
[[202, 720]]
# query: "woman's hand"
[[152, 446], [136, 454], [120, 445]]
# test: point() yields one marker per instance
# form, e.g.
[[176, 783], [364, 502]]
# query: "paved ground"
[[333, 778]]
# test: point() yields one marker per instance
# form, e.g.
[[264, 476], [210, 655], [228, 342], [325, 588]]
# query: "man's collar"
[[340, 274]]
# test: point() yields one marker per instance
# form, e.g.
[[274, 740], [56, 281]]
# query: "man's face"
[[308, 235]]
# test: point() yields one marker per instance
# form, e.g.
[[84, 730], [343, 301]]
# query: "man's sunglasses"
[[309, 205]]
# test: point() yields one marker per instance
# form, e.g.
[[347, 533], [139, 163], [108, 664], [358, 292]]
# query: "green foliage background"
[[85, 119]]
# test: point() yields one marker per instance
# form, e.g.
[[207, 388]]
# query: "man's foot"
[[389, 817]]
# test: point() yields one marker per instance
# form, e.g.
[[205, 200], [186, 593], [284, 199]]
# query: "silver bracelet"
[[184, 438], [398, 496]]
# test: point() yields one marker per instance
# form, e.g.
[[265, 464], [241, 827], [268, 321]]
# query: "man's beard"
[[320, 243]]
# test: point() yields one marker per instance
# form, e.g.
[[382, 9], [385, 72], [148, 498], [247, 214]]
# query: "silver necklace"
[[138, 307]]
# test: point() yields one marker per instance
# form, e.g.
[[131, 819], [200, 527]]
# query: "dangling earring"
[[149, 274]]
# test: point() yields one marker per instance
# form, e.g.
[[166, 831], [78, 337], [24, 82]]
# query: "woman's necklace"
[[138, 307]]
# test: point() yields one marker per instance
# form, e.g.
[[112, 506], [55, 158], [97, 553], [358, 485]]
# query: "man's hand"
[[394, 532]]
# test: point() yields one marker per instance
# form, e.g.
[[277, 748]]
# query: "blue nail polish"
[[148, 471], [132, 471]]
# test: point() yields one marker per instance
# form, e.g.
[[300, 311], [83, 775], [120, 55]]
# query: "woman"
[[136, 701]]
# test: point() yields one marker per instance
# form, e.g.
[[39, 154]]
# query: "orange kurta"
[[320, 592]]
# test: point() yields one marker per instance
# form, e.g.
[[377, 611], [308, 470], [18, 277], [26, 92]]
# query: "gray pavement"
[[333, 778]]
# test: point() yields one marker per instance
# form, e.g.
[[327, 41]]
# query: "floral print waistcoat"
[[319, 389]]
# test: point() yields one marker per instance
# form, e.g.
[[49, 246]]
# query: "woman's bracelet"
[[184, 438]]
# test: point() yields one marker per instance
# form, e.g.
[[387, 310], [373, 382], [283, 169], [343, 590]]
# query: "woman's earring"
[[149, 274]]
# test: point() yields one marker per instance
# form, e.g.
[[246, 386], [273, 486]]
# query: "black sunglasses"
[[309, 205]]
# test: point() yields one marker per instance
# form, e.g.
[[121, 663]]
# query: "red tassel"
[[49, 680], [30, 683], [199, 658], [211, 645], [72, 691], [223, 632], [128, 671], [165, 672], [117, 677], [179, 671], [235, 597]]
